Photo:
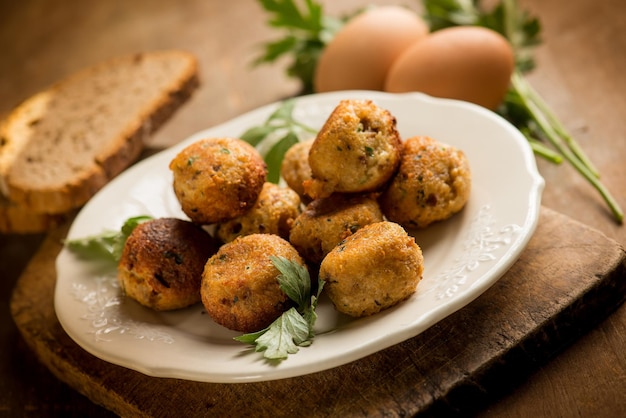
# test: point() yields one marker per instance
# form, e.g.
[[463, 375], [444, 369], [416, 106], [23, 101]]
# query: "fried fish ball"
[[162, 263], [216, 179], [432, 184], [273, 213], [357, 150], [295, 168], [374, 269], [325, 222], [240, 289]]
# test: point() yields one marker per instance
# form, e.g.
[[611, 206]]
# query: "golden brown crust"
[[18, 220], [273, 213], [295, 168], [240, 289], [325, 222], [432, 184], [357, 150], [162, 262], [374, 269], [33, 178], [217, 179]]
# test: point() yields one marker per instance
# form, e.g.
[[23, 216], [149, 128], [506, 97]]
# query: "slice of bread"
[[15, 219], [59, 147]]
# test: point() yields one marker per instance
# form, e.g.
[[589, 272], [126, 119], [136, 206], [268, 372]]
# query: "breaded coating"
[[217, 179], [273, 213], [357, 150], [326, 222], [295, 168], [240, 289], [162, 263], [374, 269], [432, 184]]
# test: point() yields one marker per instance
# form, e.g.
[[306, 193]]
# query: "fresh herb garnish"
[[107, 245], [307, 33], [276, 135], [294, 328]]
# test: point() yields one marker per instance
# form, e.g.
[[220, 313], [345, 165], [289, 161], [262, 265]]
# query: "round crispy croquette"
[[432, 184], [325, 222], [295, 168], [376, 268], [162, 263], [357, 150], [240, 288], [273, 213], [216, 179]]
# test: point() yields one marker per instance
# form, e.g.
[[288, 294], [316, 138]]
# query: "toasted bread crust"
[[15, 219], [101, 158]]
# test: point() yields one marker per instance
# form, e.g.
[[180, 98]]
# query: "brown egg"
[[365, 48], [466, 63]]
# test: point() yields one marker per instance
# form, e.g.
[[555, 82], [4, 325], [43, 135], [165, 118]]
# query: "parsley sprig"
[[307, 31], [107, 245], [294, 328], [276, 135]]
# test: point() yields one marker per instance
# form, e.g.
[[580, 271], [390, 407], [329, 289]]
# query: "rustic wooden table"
[[580, 73]]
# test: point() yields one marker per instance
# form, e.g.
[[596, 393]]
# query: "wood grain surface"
[[568, 279], [580, 73]]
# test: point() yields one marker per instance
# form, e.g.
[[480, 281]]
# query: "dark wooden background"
[[580, 73]]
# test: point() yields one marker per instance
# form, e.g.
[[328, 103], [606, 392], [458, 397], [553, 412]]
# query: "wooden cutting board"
[[568, 279]]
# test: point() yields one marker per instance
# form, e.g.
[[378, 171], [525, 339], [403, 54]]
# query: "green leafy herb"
[[107, 245], [277, 134], [308, 31], [294, 328], [523, 106]]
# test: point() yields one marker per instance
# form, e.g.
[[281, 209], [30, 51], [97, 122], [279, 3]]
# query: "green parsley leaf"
[[255, 135], [309, 313], [294, 328], [294, 280], [276, 135], [275, 155], [308, 31], [284, 335], [107, 245], [282, 113]]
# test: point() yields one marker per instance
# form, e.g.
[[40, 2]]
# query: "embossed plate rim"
[[464, 256]]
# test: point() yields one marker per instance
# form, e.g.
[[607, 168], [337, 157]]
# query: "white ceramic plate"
[[463, 256]]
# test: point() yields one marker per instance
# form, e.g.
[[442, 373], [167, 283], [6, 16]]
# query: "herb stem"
[[509, 8], [544, 152], [304, 127], [544, 123], [558, 127]]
